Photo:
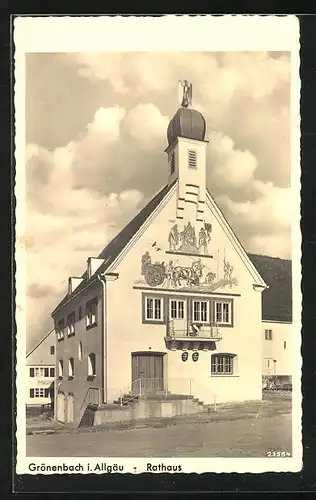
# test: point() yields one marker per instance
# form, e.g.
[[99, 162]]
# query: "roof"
[[40, 342], [277, 299], [114, 248], [187, 122]]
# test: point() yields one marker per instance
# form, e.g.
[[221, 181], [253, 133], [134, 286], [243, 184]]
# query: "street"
[[249, 431]]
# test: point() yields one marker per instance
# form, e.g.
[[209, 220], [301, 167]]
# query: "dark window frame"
[[223, 364], [91, 313]]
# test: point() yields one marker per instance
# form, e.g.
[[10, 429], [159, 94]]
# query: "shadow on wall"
[[277, 382]]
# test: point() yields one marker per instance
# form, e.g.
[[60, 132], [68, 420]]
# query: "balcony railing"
[[179, 330]]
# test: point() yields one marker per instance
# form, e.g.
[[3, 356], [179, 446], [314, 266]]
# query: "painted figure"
[[228, 271], [188, 239], [210, 278], [191, 275], [145, 261], [170, 274], [203, 241], [173, 238]]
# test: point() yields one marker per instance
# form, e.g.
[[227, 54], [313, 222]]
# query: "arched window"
[[223, 364], [91, 365], [60, 368], [80, 351], [71, 368]]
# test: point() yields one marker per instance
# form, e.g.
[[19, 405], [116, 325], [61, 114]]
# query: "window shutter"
[[192, 159], [46, 372], [31, 373], [52, 372], [46, 393], [31, 393]]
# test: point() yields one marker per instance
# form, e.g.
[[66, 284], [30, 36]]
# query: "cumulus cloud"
[[146, 126], [230, 167], [108, 160], [67, 224]]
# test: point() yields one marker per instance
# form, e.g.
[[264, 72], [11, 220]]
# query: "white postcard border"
[[108, 34]]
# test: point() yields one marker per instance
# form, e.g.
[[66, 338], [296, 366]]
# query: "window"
[[153, 309], [71, 368], [80, 351], [268, 334], [60, 329], [52, 350], [46, 372], [284, 344], [60, 368], [91, 365], [39, 393], [38, 371], [192, 158], [71, 324], [80, 313], [200, 310], [91, 313], [52, 372], [172, 161], [222, 312], [177, 309], [222, 364]]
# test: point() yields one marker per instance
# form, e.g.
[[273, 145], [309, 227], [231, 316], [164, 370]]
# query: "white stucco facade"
[[40, 372], [127, 333], [178, 303], [277, 348]]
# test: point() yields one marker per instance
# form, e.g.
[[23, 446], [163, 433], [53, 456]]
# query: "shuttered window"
[[192, 159]]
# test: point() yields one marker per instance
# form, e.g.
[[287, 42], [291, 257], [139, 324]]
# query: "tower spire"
[[187, 93]]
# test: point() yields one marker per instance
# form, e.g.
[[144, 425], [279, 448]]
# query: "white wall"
[[275, 355], [40, 357], [126, 333]]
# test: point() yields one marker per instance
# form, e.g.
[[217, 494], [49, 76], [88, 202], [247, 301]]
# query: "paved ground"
[[249, 430]]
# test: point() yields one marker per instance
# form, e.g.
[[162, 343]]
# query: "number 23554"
[[278, 454]]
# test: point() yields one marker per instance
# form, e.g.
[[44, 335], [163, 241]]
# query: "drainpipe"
[[102, 280]]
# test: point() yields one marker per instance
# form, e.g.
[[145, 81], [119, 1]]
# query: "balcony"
[[196, 336]]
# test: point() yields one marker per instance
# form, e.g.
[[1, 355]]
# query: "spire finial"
[[187, 93]]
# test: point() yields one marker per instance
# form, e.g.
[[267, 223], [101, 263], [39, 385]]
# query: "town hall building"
[[172, 305]]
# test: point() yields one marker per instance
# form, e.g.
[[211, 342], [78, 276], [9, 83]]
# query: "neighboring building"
[[277, 328], [173, 303], [40, 371]]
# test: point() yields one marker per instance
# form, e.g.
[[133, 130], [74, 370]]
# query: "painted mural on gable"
[[189, 240], [187, 263]]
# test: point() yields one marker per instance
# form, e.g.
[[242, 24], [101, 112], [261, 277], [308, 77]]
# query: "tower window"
[[192, 159], [172, 161]]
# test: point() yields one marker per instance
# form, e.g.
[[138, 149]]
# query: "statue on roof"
[[187, 93]]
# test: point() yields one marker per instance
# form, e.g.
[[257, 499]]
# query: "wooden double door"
[[147, 372]]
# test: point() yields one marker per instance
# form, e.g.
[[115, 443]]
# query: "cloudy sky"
[[96, 132]]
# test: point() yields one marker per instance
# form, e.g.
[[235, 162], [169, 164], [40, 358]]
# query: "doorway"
[[61, 407], [70, 408], [147, 372]]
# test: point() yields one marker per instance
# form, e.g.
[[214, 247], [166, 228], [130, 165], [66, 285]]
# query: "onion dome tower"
[[187, 157]]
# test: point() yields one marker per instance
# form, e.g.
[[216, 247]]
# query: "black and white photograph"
[[158, 244]]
